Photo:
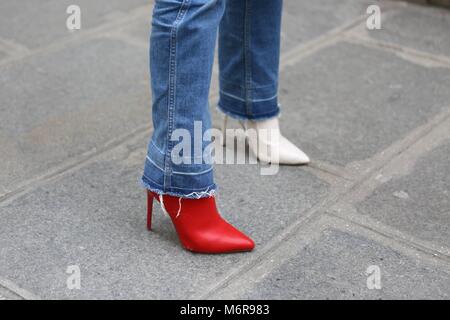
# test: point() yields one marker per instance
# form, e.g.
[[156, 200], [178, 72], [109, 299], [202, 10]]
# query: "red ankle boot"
[[199, 226]]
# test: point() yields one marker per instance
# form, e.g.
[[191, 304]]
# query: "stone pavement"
[[372, 109]]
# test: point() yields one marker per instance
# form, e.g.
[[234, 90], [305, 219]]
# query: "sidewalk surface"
[[372, 109]]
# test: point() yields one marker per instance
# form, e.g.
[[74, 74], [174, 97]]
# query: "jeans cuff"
[[257, 104], [182, 193], [241, 116]]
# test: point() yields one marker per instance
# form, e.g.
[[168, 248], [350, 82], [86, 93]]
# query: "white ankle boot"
[[268, 144]]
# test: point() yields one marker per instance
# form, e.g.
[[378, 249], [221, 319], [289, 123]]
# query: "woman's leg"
[[249, 53], [181, 59]]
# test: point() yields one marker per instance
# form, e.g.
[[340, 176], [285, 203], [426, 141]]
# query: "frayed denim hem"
[[207, 193], [238, 116]]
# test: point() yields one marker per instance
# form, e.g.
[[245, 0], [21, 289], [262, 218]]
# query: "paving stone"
[[418, 203], [67, 103], [334, 267], [139, 29], [95, 218], [341, 108], [418, 27], [40, 25], [306, 20]]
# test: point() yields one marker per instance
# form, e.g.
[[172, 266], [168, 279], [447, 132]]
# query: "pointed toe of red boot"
[[236, 241], [239, 244], [227, 240], [246, 244], [223, 245], [200, 227]]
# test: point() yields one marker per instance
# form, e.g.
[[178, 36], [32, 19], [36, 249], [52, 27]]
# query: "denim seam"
[[179, 172], [152, 162], [196, 189], [242, 116], [172, 88], [191, 189], [203, 193], [153, 181], [247, 56], [192, 173], [245, 87], [240, 99], [157, 149]]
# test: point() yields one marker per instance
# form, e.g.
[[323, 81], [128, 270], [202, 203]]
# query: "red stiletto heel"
[[199, 225], [149, 210]]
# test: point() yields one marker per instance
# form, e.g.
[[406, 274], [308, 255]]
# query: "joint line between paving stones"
[[22, 293], [334, 171], [396, 48], [380, 231], [82, 35], [70, 166]]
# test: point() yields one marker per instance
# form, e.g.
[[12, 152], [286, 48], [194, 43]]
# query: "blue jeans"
[[182, 43]]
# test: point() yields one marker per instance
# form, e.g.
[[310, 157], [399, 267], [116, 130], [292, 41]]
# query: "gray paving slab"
[[417, 27], [95, 218], [334, 267], [417, 203], [36, 26], [139, 29], [306, 20], [3, 55], [57, 106], [341, 108]]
